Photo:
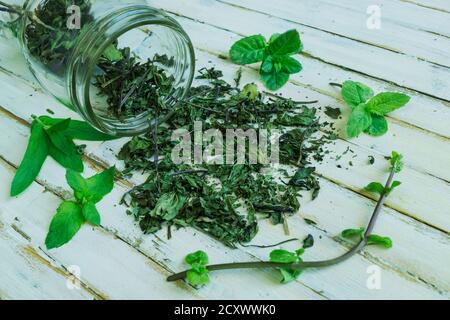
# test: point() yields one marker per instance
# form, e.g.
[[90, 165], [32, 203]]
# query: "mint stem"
[[306, 264]]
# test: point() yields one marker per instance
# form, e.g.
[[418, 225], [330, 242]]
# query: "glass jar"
[[122, 65]]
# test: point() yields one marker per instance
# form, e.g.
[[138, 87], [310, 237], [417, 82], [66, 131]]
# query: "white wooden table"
[[410, 53]]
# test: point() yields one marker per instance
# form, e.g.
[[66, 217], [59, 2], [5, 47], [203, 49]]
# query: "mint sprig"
[[275, 55], [71, 215], [368, 111], [53, 137], [198, 275]]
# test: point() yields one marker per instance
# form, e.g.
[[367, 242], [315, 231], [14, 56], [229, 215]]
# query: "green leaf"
[[198, 257], [396, 161], [79, 130], [196, 278], [374, 239], [290, 65], [62, 142], [76, 182], [268, 64], [351, 233], [283, 256], [91, 214], [386, 102], [69, 161], [168, 206], [394, 185], [358, 121], [248, 50], [112, 53], [288, 43], [100, 185], [375, 187], [274, 80], [33, 160], [289, 274], [355, 93], [300, 251], [378, 127], [65, 224], [60, 125]]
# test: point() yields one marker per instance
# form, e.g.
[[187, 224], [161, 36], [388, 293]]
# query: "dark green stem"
[[334, 84], [306, 264]]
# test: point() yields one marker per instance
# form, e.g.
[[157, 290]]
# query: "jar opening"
[[130, 69]]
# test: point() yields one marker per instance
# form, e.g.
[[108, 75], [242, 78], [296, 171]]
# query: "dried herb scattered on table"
[[225, 201]]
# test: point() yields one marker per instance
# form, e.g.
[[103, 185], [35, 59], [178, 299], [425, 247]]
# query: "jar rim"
[[91, 46]]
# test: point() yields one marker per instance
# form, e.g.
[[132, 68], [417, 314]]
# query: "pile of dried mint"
[[225, 201], [129, 86]]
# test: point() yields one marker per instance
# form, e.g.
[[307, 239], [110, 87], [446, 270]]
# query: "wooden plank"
[[25, 274], [397, 68], [349, 19], [440, 5], [171, 255]]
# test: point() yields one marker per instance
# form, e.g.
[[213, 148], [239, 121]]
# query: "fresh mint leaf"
[[374, 239], [394, 185], [359, 120], [77, 183], [355, 93], [198, 257], [396, 161], [375, 187], [196, 278], [34, 158], [91, 214], [352, 233], [78, 130], [300, 252], [248, 50], [69, 161], [60, 125], [65, 224], [100, 185], [283, 256], [378, 127], [386, 102], [268, 64], [289, 65], [62, 143], [287, 43], [92, 189], [274, 80], [289, 275], [198, 275]]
